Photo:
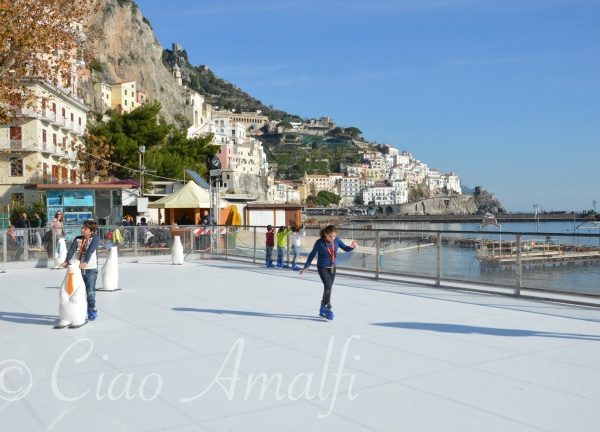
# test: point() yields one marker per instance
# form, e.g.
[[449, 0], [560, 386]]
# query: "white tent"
[[191, 196]]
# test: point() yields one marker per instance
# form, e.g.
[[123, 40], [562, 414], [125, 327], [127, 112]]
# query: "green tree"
[[325, 198], [352, 132], [167, 149]]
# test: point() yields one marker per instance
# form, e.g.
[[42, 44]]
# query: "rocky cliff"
[[124, 48], [481, 202]]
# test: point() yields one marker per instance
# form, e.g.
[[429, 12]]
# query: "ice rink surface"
[[225, 346]]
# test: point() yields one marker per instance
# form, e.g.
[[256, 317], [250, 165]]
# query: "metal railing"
[[557, 266]]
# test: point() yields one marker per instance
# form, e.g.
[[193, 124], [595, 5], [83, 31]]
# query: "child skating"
[[269, 245], [295, 240], [83, 249], [326, 250], [282, 236]]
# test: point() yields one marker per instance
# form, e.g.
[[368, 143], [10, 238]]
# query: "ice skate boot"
[[323, 310], [92, 314]]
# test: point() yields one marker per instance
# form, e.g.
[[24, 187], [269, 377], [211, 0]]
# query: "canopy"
[[190, 196]]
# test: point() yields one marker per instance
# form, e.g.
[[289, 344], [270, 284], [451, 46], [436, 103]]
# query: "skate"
[[296, 268], [280, 263], [270, 264], [92, 314], [326, 312]]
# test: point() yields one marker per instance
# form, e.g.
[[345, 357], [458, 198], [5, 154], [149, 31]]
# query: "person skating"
[[326, 250], [85, 247], [295, 240], [282, 235], [269, 245]]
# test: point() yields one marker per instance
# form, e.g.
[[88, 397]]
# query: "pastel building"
[[124, 96], [40, 145]]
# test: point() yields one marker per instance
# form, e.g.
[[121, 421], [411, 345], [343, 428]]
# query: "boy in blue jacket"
[[326, 248]]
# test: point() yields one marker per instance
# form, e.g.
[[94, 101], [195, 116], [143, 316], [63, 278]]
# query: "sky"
[[504, 93]]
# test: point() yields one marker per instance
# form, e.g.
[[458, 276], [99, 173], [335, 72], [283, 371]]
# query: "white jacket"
[[296, 237]]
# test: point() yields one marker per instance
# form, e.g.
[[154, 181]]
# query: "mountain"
[[124, 48]]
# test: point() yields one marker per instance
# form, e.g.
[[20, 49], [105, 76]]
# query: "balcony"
[[19, 145], [16, 145], [48, 115]]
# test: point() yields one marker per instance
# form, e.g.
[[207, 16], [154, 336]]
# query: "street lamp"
[[213, 165], [142, 168]]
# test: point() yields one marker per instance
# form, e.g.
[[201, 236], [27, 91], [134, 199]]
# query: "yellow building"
[[124, 96]]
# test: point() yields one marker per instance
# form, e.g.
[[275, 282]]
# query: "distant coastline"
[[512, 217]]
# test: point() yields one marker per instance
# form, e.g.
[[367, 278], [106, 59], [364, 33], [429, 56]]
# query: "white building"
[[197, 111], [355, 170], [351, 187], [401, 191], [379, 195], [40, 145], [251, 121], [283, 192]]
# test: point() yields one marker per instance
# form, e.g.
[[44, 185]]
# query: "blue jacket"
[[88, 254], [324, 259]]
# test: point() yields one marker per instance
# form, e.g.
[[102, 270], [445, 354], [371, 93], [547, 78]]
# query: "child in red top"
[[269, 245]]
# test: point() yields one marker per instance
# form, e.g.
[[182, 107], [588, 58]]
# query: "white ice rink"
[[224, 346]]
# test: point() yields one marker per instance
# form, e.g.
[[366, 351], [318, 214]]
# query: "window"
[[15, 133], [54, 139], [73, 176], [125, 93], [44, 137], [64, 113], [72, 117], [16, 166], [79, 121], [125, 102], [64, 174], [53, 107], [55, 172]]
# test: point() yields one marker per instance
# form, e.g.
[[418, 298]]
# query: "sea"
[[414, 254]]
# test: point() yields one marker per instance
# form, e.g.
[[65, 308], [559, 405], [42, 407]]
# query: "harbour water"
[[417, 256]]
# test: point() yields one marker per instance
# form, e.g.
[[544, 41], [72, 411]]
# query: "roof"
[[273, 206], [94, 186], [189, 196]]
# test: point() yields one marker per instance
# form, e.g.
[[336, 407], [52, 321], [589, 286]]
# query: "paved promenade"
[[224, 346]]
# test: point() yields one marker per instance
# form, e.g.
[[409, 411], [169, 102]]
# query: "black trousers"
[[327, 275]]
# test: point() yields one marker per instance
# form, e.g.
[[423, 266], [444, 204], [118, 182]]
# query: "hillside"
[[125, 48], [219, 92]]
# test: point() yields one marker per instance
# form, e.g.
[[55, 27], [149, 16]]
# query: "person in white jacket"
[[295, 240]]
